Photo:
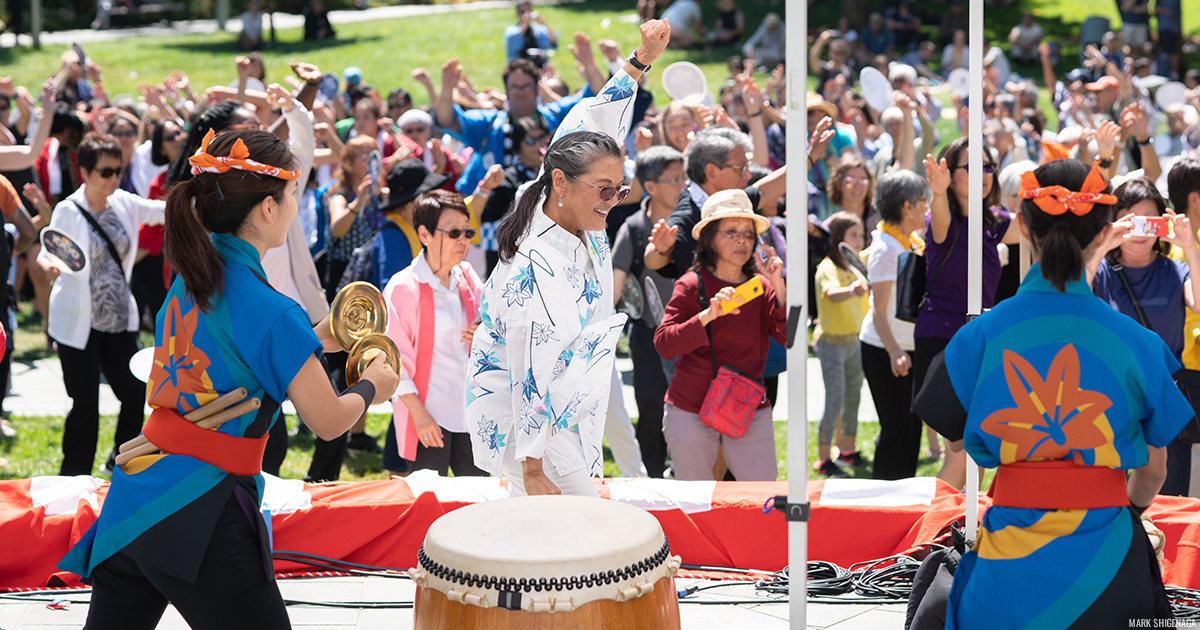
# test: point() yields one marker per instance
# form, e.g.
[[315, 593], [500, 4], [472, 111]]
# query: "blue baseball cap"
[[352, 75]]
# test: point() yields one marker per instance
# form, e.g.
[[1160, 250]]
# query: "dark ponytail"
[[215, 118], [1061, 239], [573, 154], [218, 203]]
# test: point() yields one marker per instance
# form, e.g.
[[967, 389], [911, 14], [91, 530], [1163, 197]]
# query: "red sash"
[[235, 455], [1058, 485]]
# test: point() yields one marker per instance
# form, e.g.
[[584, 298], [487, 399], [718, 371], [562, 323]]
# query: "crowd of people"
[[415, 200]]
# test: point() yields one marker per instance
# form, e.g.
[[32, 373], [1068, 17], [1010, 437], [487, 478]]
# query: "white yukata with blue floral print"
[[542, 357]]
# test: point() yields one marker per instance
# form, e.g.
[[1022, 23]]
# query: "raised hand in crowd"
[[1106, 146], [772, 269], [662, 238], [307, 72], [494, 177], [819, 139], [655, 36], [7, 88], [1133, 121], [610, 49], [937, 175], [279, 96], [643, 139], [582, 50], [41, 206]]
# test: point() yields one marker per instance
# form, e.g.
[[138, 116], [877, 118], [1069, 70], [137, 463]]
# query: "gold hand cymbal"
[[365, 350], [358, 310]]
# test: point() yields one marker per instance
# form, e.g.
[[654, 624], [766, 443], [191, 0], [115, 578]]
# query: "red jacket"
[[741, 341]]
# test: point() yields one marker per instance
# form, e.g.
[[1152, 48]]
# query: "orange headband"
[[239, 158], [1056, 200]]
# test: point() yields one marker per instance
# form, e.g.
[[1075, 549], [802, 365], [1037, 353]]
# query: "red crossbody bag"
[[732, 396]]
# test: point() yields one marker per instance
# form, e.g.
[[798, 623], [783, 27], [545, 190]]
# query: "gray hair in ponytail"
[[573, 154]]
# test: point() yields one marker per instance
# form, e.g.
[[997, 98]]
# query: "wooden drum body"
[[547, 562]]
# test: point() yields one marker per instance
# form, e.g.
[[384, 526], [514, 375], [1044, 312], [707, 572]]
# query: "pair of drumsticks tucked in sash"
[[211, 415]]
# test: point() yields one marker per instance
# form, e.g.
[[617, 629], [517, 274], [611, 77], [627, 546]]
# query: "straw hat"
[[816, 101], [729, 204]]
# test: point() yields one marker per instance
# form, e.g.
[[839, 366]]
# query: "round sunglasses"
[[608, 192]]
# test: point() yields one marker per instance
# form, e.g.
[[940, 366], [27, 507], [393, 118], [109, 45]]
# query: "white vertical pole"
[[797, 356], [975, 222]]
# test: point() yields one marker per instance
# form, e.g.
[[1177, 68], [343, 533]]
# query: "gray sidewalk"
[[756, 616], [234, 24]]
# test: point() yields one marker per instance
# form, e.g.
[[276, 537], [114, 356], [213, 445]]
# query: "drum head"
[[64, 252], [592, 549]]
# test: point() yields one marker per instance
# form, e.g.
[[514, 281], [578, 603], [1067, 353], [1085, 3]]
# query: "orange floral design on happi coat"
[[1053, 416], [179, 377]]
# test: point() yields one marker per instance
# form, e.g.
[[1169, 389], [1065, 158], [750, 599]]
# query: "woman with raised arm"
[[185, 525], [1064, 395], [546, 315]]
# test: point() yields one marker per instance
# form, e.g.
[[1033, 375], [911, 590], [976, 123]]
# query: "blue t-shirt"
[[1172, 23], [877, 44], [487, 131], [1136, 18], [1159, 287]]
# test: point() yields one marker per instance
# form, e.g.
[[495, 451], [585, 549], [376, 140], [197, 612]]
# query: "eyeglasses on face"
[[987, 168], [732, 235], [397, 105], [109, 171], [524, 87], [608, 192], [742, 169], [855, 181], [456, 233], [536, 140]]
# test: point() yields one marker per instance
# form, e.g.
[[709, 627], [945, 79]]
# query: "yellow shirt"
[[837, 322], [1191, 325]]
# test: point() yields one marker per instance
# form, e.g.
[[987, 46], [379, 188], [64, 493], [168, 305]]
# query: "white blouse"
[[542, 358]]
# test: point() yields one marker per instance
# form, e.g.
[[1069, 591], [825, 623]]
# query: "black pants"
[[81, 369], [899, 443], [232, 589], [328, 455], [456, 455], [649, 390], [333, 275], [926, 349], [147, 285], [277, 445]]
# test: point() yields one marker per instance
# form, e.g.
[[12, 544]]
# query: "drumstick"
[[212, 422], [211, 408]]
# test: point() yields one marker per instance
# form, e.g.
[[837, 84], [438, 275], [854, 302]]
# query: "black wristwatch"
[[1149, 140], [633, 61]]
